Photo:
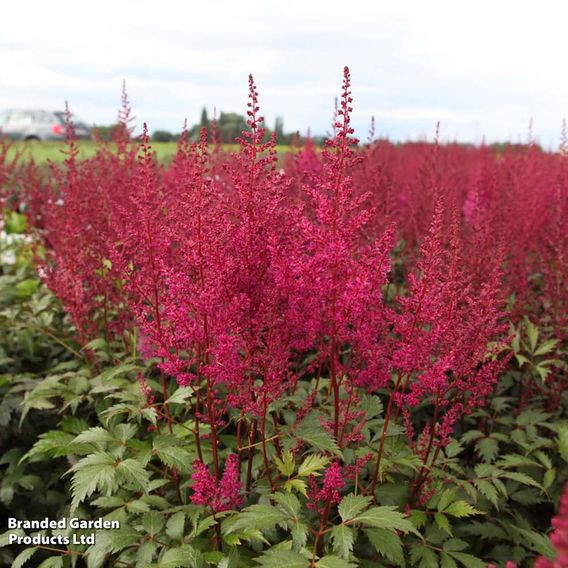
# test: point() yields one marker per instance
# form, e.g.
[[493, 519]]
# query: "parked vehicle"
[[37, 124]]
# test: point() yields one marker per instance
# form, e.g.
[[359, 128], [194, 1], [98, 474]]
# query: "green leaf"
[[52, 562], [446, 561], [342, 539], [288, 503], [522, 478], [385, 517], [388, 544], [96, 435], [423, 556], [180, 557], [134, 474], [546, 347], [312, 432], [145, 553], [455, 545], [351, 505], [287, 464], [461, 509], [418, 518], [298, 484], [153, 522], [488, 448], [258, 517], [331, 561], [539, 542], [299, 535], [95, 472], [443, 523], [515, 461], [175, 456], [312, 465], [468, 560], [487, 489], [446, 498], [563, 441], [53, 443], [549, 477], [532, 334], [175, 526], [23, 557], [119, 539], [280, 558], [180, 396]]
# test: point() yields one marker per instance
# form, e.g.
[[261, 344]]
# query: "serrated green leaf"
[[287, 464], [446, 561], [331, 561], [133, 472], [52, 562], [180, 396], [546, 347], [455, 545], [549, 477], [532, 334], [175, 456], [522, 478], [446, 498], [539, 542], [96, 472], [312, 465], [468, 560], [153, 522], [443, 523], [461, 509], [563, 441], [258, 517], [181, 557], [388, 544], [288, 503], [418, 518], [487, 489], [299, 534], [311, 431], [279, 558], [23, 557], [342, 539], [423, 556], [96, 435], [175, 526], [351, 505], [516, 460], [54, 443], [385, 517], [145, 553], [488, 448], [296, 484]]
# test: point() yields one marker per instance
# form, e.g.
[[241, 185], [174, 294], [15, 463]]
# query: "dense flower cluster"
[[330, 492], [352, 271], [218, 495]]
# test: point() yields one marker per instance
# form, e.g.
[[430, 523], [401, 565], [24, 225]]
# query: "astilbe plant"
[[277, 311], [346, 272], [73, 216]]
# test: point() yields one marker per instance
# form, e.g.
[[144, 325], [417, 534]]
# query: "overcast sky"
[[481, 68]]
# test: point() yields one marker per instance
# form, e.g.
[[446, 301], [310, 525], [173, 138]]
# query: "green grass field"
[[41, 152]]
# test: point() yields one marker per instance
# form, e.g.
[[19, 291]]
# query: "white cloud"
[[479, 68]]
